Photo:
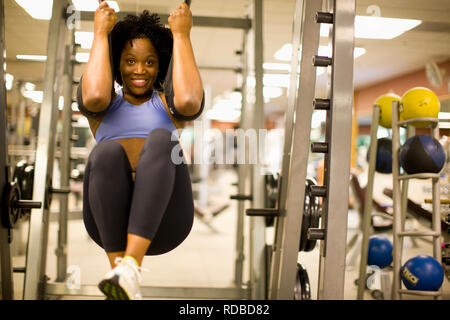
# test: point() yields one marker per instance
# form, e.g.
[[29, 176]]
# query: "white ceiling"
[[215, 47]]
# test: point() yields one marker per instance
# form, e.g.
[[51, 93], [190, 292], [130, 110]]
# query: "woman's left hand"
[[180, 21]]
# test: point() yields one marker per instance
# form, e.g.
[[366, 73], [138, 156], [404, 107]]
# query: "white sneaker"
[[122, 282]]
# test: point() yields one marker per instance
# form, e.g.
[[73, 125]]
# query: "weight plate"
[[302, 289]]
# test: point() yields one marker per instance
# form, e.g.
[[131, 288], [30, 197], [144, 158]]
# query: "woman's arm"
[[187, 84], [97, 77]]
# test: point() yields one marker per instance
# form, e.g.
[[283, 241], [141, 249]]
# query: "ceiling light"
[[326, 51], [41, 9], [84, 39], [36, 96], [9, 81], [90, 5], [31, 57], [369, 27], [382, 28], [28, 86]]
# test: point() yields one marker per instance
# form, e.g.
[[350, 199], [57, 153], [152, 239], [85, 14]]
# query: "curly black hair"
[[146, 25]]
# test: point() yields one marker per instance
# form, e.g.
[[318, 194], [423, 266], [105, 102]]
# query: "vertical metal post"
[[36, 257], [367, 217], [295, 158], [436, 209], [337, 160], [7, 292], [404, 187], [257, 224], [242, 175], [280, 222], [397, 247], [65, 161]]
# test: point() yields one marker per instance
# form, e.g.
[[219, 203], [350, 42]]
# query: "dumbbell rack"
[[400, 196], [338, 105]]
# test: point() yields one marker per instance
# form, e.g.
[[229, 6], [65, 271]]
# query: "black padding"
[[177, 115], [82, 108]]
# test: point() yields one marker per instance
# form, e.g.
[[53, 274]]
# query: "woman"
[[137, 200]]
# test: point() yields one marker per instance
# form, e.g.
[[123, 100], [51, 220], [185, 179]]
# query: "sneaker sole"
[[112, 290]]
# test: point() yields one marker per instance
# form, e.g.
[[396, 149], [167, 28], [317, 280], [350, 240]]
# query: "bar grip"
[[318, 191], [319, 147], [316, 234], [60, 190], [266, 212], [323, 17], [241, 197], [320, 61], [321, 104], [27, 204]]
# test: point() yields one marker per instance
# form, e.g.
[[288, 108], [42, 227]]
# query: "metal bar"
[[36, 257], [418, 234], [396, 197], [242, 176], [404, 123], [296, 152], [410, 131], [198, 21], [257, 224], [367, 215], [421, 293], [7, 292], [337, 161], [60, 289], [65, 164], [279, 223], [436, 219], [419, 176]]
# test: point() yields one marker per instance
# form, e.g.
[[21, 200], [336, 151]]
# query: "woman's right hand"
[[104, 19]]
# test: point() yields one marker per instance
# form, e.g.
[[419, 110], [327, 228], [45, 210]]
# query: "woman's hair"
[[143, 26]]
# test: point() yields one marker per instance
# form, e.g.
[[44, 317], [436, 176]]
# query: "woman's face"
[[139, 66]]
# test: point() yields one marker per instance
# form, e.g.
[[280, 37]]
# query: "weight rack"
[[337, 146], [400, 197]]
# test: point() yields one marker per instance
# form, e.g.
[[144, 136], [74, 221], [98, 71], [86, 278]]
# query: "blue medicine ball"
[[384, 155], [422, 154], [380, 252], [422, 273]]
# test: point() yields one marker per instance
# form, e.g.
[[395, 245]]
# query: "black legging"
[[158, 205]]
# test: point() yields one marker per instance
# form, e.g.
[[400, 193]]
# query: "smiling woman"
[[137, 201]]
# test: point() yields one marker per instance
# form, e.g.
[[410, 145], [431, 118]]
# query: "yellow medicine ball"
[[385, 103], [419, 102]]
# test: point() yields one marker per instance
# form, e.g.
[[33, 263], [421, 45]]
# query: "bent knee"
[[161, 139], [107, 154]]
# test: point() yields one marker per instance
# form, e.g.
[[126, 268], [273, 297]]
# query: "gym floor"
[[205, 259]]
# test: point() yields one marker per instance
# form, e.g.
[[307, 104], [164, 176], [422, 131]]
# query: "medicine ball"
[[422, 154], [422, 273], [380, 251], [385, 103], [384, 155], [419, 102]]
